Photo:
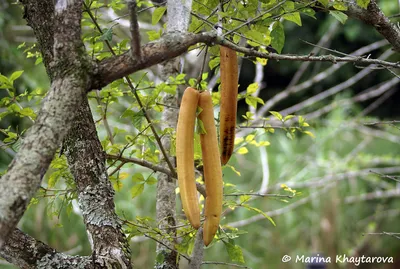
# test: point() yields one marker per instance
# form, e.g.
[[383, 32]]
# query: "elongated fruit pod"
[[185, 156], [228, 108], [212, 169]]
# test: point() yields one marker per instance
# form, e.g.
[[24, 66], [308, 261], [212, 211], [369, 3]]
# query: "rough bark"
[[374, 16], [55, 117], [178, 22], [27, 252], [86, 160], [171, 45]]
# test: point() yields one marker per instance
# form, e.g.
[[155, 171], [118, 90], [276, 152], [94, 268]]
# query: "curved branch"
[[374, 16], [26, 252]]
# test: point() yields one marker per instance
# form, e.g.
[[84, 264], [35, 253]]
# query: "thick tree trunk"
[[86, 160]]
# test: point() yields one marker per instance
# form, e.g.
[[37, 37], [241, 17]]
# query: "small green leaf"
[[234, 251], [138, 177], [200, 129], [309, 133], [27, 112], [278, 37], [243, 150], [250, 137], [107, 34], [157, 14], [153, 35], [252, 88], [277, 115], [363, 3], [151, 181], [340, 16], [324, 2], [137, 190], [259, 212], [251, 101], [214, 62], [293, 17], [15, 75], [340, 6]]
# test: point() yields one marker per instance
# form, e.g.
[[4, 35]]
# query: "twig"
[[259, 195], [337, 88], [282, 210], [385, 176], [396, 235], [134, 29], [154, 167], [372, 196], [317, 78], [227, 264]]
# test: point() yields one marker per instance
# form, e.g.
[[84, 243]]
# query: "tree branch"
[[174, 44], [95, 193], [374, 16], [134, 28], [26, 252], [55, 118]]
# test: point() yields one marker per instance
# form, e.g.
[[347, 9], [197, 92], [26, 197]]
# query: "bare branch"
[[227, 264], [337, 88], [134, 28], [154, 167], [372, 196], [374, 16], [172, 45], [317, 78], [282, 210]]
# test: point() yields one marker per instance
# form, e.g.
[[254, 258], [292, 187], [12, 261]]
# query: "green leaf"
[[200, 129], [340, 6], [277, 115], [324, 2], [4, 80], [252, 101], [157, 14], [252, 88], [234, 251], [363, 3], [28, 112], [137, 190], [309, 12], [107, 35], [151, 181], [243, 150], [340, 16], [259, 212], [153, 35], [15, 75], [293, 17], [309, 133], [214, 62], [138, 177], [278, 37]]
